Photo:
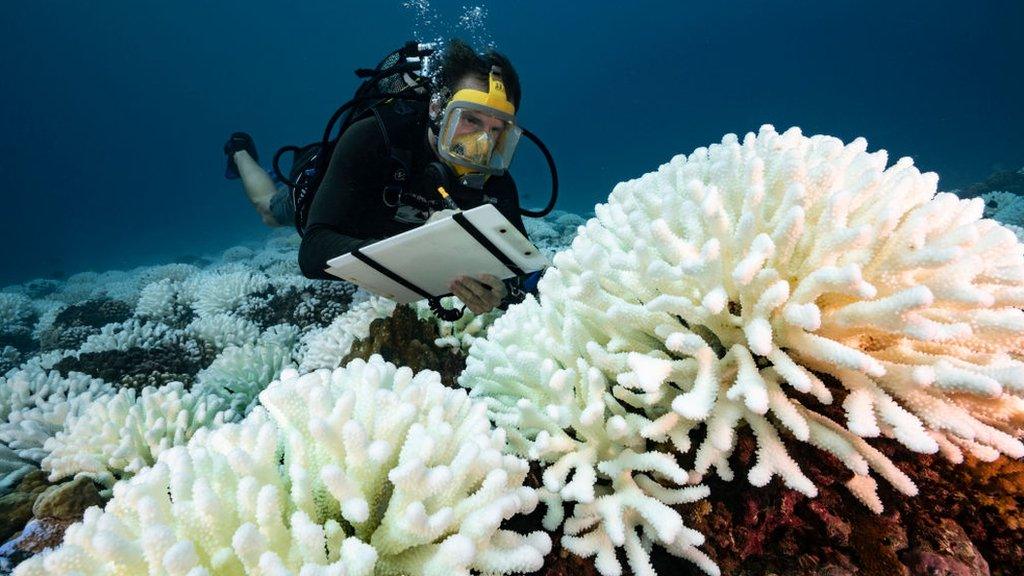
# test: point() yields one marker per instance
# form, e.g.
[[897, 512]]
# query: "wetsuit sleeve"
[[345, 200]]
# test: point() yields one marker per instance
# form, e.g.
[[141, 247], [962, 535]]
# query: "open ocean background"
[[113, 113]]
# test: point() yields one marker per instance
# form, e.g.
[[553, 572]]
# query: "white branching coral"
[[555, 231], [116, 437], [326, 348], [36, 403], [1006, 207], [12, 469], [130, 334], [367, 470], [555, 404], [224, 330], [753, 282], [215, 293], [15, 310], [157, 299], [240, 373]]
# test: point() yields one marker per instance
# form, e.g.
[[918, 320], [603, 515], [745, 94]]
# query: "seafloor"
[[231, 322]]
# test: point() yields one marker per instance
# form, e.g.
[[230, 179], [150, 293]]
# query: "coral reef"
[[1011, 181], [239, 374], [778, 305], [136, 367], [76, 322], [756, 283], [35, 404], [122, 435], [325, 348], [384, 472]]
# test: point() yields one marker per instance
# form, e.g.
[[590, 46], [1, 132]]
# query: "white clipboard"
[[432, 255]]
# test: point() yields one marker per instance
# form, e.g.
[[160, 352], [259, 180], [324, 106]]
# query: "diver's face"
[[476, 121]]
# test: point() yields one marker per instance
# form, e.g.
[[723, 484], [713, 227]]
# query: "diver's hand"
[[440, 214], [476, 295]]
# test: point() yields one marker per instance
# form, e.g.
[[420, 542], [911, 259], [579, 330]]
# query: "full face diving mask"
[[478, 134]]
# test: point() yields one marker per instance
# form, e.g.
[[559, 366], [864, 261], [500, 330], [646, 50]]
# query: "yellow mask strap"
[[495, 97]]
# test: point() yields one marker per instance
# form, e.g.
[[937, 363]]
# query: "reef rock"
[[405, 340], [16, 506]]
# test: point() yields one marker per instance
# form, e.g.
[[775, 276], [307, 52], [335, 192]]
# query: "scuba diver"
[[412, 148]]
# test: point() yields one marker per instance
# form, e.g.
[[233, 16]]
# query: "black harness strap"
[[479, 237], [385, 271]]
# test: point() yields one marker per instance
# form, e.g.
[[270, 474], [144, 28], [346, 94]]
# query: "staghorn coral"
[[240, 373], [12, 469], [36, 403], [300, 301], [131, 333], [120, 435], [161, 301], [223, 292], [221, 331], [757, 282], [384, 472], [15, 311]]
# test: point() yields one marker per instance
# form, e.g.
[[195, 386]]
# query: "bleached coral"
[[326, 348], [555, 404], [555, 231], [157, 299], [224, 330], [752, 282], [118, 436], [15, 310], [175, 272], [9, 357], [35, 404], [384, 472], [223, 292], [12, 469], [238, 254], [1006, 207], [48, 311], [131, 333], [240, 373]]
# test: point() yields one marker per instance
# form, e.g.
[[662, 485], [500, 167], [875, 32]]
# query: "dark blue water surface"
[[112, 113]]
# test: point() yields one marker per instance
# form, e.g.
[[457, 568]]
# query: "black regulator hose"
[[446, 314], [296, 151], [554, 178]]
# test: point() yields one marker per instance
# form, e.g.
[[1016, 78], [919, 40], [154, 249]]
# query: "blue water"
[[113, 113]]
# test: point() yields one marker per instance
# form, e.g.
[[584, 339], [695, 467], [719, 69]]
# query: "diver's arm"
[[320, 244], [345, 199]]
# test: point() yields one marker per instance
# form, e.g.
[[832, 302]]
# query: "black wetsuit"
[[352, 207]]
